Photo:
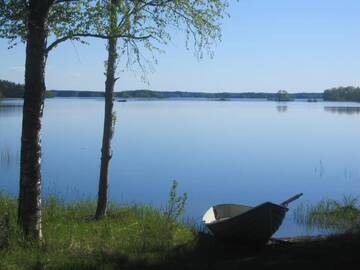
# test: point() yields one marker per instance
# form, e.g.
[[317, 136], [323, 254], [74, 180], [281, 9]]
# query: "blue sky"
[[296, 45]]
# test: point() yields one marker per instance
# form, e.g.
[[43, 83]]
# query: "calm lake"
[[219, 151]]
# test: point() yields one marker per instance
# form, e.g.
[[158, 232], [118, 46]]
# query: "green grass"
[[143, 237], [330, 216], [129, 235]]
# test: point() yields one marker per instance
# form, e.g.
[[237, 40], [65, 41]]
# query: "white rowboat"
[[245, 223]]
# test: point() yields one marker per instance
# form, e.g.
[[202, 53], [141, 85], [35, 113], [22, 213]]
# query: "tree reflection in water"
[[282, 108], [342, 109]]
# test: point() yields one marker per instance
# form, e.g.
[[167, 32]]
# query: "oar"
[[293, 198]]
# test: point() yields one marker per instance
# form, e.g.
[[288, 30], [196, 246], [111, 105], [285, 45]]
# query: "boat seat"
[[224, 211]]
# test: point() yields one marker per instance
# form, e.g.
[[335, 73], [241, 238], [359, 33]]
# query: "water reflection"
[[342, 109], [7, 109], [329, 215], [8, 158], [227, 152], [282, 108], [319, 170]]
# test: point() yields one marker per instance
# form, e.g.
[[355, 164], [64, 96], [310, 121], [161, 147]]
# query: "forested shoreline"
[[153, 94], [13, 90], [349, 93]]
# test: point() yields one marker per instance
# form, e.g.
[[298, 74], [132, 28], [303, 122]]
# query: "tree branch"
[[64, 1], [85, 35]]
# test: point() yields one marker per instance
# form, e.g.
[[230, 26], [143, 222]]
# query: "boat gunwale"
[[227, 219]]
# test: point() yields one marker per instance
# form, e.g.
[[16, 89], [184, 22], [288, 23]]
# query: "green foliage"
[[12, 21], [11, 90], [64, 19], [181, 94], [176, 203], [282, 95], [349, 93], [49, 94], [74, 93], [14, 90], [156, 21], [74, 240], [145, 21], [200, 20], [330, 215]]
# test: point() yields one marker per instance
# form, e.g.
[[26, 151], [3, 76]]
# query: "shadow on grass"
[[204, 253], [141, 237], [334, 252]]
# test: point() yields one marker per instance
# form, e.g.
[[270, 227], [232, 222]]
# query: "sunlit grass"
[[330, 216], [130, 234]]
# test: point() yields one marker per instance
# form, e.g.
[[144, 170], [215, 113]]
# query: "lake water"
[[219, 151]]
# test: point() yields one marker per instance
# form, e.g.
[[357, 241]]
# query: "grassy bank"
[[130, 235], [142, 237], [330, 216]]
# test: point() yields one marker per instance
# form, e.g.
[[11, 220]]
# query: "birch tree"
[[42, 25], [149, 25]]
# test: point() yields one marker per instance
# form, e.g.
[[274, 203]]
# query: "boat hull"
[[256, 225]]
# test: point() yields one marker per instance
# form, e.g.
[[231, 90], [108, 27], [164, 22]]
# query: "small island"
[[281, 96]]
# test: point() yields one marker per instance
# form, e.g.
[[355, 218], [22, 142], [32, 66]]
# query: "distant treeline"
[[75, 93], [14, 90], [349, 93], [180, 94], [11, 90]]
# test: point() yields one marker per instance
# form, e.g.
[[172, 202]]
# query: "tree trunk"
[[29, 211], [108, 122]]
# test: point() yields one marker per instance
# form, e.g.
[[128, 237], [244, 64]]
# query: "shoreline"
[[140, 237]]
